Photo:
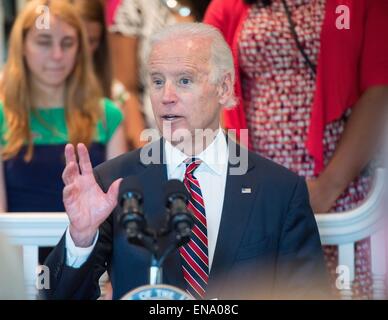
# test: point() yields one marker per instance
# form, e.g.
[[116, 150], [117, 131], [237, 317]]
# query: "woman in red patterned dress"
[[313, 83]]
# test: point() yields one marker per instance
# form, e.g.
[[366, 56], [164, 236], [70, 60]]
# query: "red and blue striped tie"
[[195, 261]]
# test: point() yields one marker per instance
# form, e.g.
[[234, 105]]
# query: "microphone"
[[180, 219], [131, 203]]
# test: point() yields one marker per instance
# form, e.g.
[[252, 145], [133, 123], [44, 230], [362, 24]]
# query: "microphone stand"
[[148, 240], [138, 234], [156, 269]]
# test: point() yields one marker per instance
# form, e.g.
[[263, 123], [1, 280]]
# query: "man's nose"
[[169, 93]]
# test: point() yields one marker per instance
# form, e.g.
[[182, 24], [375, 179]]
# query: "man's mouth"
[[171, 117]]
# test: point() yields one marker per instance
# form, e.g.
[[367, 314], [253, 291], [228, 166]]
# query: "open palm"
[[86, 204]]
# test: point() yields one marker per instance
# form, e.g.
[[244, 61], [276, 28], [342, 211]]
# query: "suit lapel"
[[238, 202]]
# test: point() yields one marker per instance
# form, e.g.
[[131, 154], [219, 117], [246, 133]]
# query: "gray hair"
[[221, 59]]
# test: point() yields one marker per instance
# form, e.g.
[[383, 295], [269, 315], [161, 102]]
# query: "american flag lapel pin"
[[246, 190]]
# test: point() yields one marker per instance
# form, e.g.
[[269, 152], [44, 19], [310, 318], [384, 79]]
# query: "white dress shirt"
[[211, 174]]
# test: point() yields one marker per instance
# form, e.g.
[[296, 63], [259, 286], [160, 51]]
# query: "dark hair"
[[264, 2]]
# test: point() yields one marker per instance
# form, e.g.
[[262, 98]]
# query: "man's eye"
[[157, 82], [185, 81]]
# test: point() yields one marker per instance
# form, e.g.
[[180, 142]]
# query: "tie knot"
[[192, 164]]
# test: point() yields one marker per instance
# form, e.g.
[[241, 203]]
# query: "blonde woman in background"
[[50, 96]]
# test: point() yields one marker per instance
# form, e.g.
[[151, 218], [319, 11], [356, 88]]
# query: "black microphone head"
[[180, 217], [131, 217], [175, 189], [130, 186]]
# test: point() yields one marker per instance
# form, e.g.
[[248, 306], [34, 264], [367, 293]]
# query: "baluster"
[[30, 262], [378, 264], [346, 260]]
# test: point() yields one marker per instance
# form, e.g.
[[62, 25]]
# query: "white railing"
[[33, 230], [346, 228]]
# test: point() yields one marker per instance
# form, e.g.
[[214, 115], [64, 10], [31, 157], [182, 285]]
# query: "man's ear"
[[225, 89]]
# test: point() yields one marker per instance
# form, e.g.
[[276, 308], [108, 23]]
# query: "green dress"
[[37, 186]]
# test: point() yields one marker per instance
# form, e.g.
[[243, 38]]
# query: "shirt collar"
[[215, 156]]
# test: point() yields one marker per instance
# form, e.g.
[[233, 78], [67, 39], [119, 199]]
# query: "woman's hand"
[[322, 194]]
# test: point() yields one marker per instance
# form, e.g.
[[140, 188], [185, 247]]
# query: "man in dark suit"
[[254, 235]]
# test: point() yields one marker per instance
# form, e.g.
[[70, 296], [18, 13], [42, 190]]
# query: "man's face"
[[182, 95]]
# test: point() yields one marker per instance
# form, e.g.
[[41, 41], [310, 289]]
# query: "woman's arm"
[[3, 197], [362, 132], [125, 69], [357, 146], [117, 144]]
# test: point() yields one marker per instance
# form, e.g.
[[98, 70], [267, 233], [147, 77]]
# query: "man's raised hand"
[[86, 204]]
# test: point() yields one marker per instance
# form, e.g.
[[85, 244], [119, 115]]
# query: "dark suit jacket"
[[268, 244]]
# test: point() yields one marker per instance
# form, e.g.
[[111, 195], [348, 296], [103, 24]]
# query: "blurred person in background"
[[49, 97], [93, 14], [312, 83]]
